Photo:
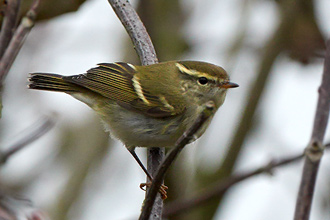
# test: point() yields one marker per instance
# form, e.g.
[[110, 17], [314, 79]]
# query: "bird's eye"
[[203, 80]]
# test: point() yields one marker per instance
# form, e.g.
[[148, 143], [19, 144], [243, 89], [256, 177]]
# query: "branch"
[[38, 130], [145, 50], [17, 40], [9, 24], [180, 144], [223, 185], [136, 30], [315, 148]]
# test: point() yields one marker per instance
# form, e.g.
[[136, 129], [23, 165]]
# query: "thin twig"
[[221, 186], [180, 144], [17, 40], [315, 148], [9, 24], [146, 51], [38, 130]]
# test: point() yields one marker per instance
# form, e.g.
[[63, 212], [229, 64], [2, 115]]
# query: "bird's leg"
[[162, 189], [132, 151]]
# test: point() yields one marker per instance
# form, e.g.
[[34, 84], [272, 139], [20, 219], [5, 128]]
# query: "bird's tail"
[[51, 82]]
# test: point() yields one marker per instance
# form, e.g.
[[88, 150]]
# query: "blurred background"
[[273, 49]]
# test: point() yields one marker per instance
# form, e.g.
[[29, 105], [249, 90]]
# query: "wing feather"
[[115, 81]]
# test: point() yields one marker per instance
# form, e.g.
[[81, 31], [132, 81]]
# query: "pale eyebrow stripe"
[[195, 73]]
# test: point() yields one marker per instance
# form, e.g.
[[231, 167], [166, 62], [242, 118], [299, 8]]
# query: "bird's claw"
[[162, 189]]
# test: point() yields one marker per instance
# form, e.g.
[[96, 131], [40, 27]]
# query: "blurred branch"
[[276, 44], [16, 207], [17, 41], [305, 37], [82, 150], [221, 186], [180, 144], [9, 24], [38, 130], [240, 36], [272, 49], [49, 9], [315, 148], [147, 54], [284, 39]]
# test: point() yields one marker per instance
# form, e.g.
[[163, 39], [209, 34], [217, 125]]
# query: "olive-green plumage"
[[146, 106]]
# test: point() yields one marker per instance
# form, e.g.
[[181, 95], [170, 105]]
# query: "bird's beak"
[[229, 85]]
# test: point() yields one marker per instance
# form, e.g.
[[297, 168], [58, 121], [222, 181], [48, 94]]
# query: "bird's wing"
[[119, 82]]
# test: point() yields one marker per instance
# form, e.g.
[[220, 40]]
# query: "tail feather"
[[51, 82]]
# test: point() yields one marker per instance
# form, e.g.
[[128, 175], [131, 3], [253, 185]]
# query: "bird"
[[144, 106]]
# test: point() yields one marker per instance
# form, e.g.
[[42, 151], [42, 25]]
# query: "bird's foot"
[[162, 189]]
